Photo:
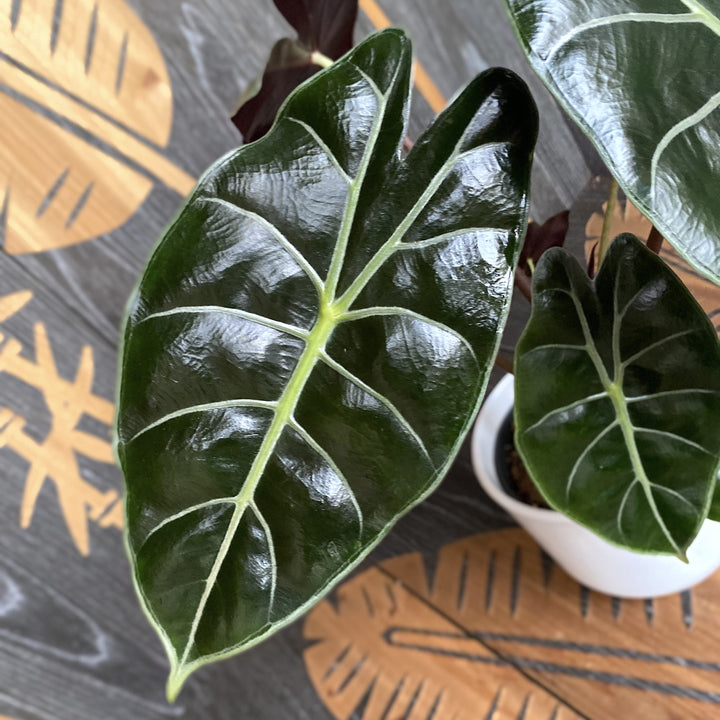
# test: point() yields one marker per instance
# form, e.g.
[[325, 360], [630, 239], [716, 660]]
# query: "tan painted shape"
[[58, 188], [143, 100], [628, 219], [13, 303], [491, 594], [353, 659], [94, 192], [56, 457]]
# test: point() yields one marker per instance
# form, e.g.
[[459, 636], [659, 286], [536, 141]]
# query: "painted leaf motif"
[[310, 342], [396, 644], [617, 392], [78, 76], [639, 77], [464, 643]]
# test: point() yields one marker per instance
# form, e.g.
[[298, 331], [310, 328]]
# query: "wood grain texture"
[[73, 643]]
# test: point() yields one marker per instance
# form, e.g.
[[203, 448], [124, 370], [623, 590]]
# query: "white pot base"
[[589, 559]]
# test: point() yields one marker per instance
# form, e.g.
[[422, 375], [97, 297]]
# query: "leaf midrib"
[[326, 322], [614, 389], [332, 312], [707, 18], [283, 413]]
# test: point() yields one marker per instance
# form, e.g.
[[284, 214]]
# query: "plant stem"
[[604, 243], [317, 58], [655, 240]]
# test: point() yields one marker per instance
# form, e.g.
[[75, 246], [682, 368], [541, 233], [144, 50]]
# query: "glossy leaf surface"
[[324, 26], [640, 77], [617, 398], [310, 342]]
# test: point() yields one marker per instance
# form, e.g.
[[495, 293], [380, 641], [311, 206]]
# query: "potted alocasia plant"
[[312, 337], [310, 343], [617, 385]]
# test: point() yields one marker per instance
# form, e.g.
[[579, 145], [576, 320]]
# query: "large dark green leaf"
[[310, 342], [641, 78], [617, 398]]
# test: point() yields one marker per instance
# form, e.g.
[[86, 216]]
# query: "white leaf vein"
[[685, 124], [565, 408], [623, 502], [608, 20], [324, 147], [299, 258], [583, 455], [205, 407], [325, 455], [379, 311], [220, 309], [372, 84], [338, 258], [271, 551], [670, 393], [674, 493], [658, 343], [187, 511], [355, 380], [673, 436], [461, 232], [556, 346]]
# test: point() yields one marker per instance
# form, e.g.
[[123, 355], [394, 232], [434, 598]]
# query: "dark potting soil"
[[511, 471]]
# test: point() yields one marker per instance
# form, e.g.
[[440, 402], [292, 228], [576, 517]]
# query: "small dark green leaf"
[[310, 342], [640, 78], [617, 398]]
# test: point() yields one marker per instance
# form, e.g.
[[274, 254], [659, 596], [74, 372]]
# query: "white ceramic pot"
[[592, 561]]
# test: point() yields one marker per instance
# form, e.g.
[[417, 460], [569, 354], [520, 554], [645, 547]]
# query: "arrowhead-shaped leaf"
[[310, 342], [617, 398], [641, 80]]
